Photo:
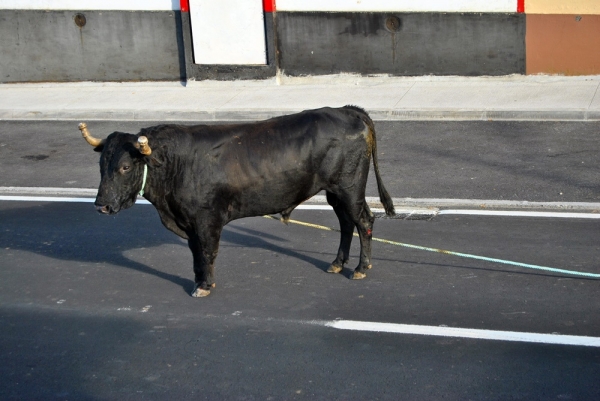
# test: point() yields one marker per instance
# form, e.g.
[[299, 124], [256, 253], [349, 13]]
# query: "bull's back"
[[296, 143], [267, 166]]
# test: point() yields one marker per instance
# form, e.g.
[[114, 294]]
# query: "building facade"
[[154, 40]]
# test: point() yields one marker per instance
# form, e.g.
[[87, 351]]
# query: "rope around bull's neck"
[[144, 179]]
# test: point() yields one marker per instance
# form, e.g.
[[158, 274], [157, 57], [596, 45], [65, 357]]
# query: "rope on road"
[[459, 254]]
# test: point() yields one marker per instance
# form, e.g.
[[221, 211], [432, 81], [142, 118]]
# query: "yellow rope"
[[462, 255]]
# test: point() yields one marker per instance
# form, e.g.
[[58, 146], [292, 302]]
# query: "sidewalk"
[[385, 98]]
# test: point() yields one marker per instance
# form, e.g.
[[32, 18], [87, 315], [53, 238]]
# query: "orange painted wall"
[[564, 44]]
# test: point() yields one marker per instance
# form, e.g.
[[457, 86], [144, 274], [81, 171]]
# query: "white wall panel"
[[228, 32]]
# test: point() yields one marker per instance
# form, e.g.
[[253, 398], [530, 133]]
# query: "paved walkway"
[[386, 98]]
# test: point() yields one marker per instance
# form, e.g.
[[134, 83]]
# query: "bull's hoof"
[[334, 269], [200, 292], [358, 275], [369, 266]]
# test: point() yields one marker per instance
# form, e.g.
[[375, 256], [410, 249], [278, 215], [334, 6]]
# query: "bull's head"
[[122, 160]]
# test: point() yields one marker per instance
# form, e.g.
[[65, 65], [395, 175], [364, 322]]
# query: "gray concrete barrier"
[[38, 46]]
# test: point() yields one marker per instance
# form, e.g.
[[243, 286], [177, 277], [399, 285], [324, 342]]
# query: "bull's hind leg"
[[347, 230], [356, 212], [364, 224]]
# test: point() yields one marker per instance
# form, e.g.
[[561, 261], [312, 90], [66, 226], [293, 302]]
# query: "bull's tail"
[[384, 196]]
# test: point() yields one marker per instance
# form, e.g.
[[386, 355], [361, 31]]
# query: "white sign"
[[228, 32]]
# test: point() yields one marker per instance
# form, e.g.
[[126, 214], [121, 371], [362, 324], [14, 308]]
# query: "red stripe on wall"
[[184, 6], [269, 6], [520, 6]]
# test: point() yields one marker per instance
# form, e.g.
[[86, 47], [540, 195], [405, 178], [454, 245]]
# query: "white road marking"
[[369, 326], [48, 191], [324, 207], [314, 207], [517, 213], [18, 198], [412, 211], [44, 199], [319, 202], [443, 331]]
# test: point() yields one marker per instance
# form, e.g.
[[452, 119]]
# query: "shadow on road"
[[75, 232]]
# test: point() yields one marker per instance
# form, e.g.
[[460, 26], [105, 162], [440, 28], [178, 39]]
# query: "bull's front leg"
[[204, 246]]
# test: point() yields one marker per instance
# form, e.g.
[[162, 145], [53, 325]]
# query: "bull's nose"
[[103, 209]]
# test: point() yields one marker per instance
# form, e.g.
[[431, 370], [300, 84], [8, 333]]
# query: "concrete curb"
[[484, 204], [262, 114], [485, 115]]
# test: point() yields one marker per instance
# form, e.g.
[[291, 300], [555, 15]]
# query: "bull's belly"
[[259, 203]]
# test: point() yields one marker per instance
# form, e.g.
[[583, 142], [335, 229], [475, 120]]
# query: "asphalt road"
[[533, 161], [95, 307]]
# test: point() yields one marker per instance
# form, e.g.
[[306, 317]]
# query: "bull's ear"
[[152, 161], [99, 148]]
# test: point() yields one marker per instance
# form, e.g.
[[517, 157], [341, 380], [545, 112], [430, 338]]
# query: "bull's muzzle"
[[103, 209], [95, 142]]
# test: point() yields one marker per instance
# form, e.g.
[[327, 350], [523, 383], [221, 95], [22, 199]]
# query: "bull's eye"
[[125, 168]]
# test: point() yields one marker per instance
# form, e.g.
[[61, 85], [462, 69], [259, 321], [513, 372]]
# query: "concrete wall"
[[38, 45], [400, 37], [131, 40], [401, 43]]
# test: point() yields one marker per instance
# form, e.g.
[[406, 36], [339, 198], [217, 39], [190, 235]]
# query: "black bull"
[[201, 177]]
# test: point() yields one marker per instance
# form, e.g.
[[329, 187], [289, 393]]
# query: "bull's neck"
[[155, 186], [160, 174]]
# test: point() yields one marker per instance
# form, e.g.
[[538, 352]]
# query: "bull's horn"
[[90, 139], [144, 148]]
